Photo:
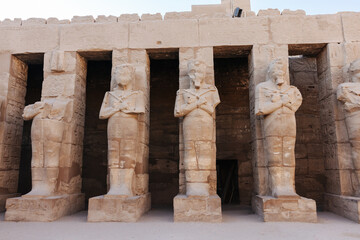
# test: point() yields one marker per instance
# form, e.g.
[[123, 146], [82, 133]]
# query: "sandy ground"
[[238, 223]]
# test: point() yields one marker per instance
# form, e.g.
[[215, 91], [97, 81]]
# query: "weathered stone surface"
[[197, 208], [285, 209], [4, 197], [43, 209], [345, 206], [118, 208]]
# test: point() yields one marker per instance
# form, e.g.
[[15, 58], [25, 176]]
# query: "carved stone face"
[[124, 75], [197, 75], [277, 73]]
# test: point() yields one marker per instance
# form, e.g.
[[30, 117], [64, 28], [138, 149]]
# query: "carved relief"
[[121, 106], [277, 101], [197, 105]]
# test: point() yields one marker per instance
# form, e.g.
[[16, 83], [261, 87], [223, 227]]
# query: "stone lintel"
[[43, 209], [197, 208], [285, 209], [118, 208], [346, 206]]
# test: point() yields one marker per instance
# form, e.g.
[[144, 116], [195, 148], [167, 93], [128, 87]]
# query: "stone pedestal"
[[293, 209], [197, 208], [43, 209], [3, 199], [118, 208], [345, 206]]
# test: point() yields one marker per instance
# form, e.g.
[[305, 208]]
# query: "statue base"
[[346, 206], [197, 208], [3, 198], [118, 208], [43, 208], [285, 209]]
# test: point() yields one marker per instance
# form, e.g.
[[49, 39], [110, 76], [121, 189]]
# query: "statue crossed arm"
[[120, 102], [187, 101]]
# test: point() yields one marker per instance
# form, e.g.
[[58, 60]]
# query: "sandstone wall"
[[310, 177]]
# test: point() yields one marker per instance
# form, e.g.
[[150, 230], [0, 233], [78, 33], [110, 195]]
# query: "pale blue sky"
[[65, 9]]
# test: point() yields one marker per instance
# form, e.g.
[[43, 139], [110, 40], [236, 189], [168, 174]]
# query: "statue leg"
[[198, 166], [281, 173], [46, 136], [122, 157]]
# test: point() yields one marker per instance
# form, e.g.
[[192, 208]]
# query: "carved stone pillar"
[[338, 70], [57, 135], [126, 106], [197, 199], [13, 76], [272, 108]]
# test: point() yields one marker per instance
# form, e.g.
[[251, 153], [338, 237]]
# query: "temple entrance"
[[35, 79], [95, 160], [164, 129], [234, 168], [227, 181]]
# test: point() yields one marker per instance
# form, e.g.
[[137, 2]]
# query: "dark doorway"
[[33, 94], [164, 132], [95, 161], [227, 181], [233, 125]]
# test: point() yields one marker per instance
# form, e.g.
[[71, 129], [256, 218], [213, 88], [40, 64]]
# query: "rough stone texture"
[[285, 209], [197, 208], [310, 180], [345, 206], [164, 133], [118, 208], [3, 198], [233, 120], [44, 209], [61, 176]]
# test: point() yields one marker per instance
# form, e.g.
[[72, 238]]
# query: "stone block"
[[290, 12], [33, 21], [345, 206], [83, 19], [233, 31], [306, 29], [269, 12], [83, 37], [118, 208], [197, 208], [129, 18], [34, 38], [151, 17], [104, 19], [43, 209], [4, 197], [57, 21], [350, 26], [297, 209], [165, 34]]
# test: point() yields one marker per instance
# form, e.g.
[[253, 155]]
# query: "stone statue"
[[277, 101], [349, 94], [197, 106], [122, 106], [50, 117]]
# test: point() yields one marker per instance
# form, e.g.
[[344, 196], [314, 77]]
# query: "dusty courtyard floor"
[[157, 224]]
